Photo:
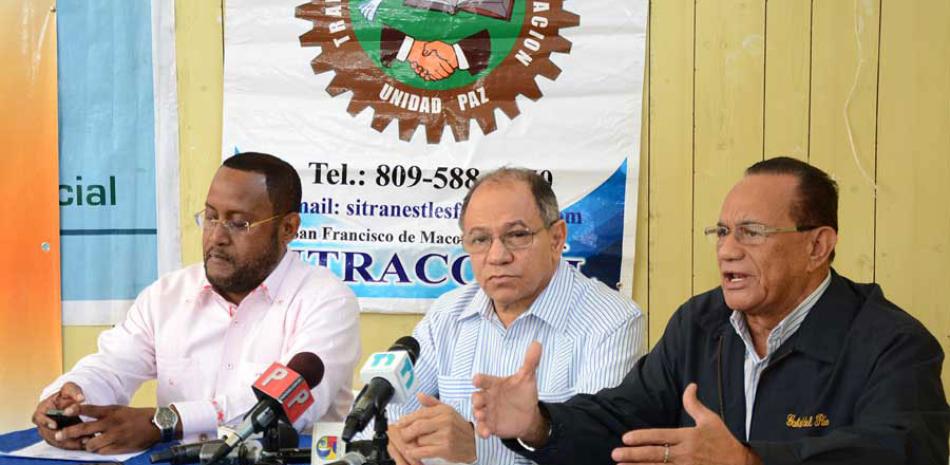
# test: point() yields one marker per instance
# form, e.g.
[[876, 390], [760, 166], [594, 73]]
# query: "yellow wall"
[[857, 88]]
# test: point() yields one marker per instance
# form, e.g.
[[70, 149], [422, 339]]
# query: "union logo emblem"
[[436, 62]]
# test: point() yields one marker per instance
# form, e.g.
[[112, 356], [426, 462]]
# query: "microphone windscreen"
[[408, 344], [309, 366]]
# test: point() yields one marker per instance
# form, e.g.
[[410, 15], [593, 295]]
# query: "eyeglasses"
[[479, 242], [749, 233], [207, 223]]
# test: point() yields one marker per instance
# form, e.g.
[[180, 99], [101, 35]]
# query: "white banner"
[[390, 109]]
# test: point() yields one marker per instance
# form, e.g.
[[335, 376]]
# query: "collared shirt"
[[206, 352], [755, 365], [590, 337]]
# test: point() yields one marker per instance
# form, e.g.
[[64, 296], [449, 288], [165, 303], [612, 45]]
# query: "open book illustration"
[[499, 9]]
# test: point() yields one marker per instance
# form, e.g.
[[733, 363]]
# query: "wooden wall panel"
[[670, 167], [730, 67], [641, 283], [913, 121], [199, 43], [787, 78], [843, 105]]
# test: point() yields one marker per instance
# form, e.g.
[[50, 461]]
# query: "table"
[[19, 439]]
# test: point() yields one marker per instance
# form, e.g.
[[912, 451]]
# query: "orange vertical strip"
[[30, 315]]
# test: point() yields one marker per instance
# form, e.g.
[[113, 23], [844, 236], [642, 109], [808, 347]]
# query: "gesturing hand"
[[709, 443], [508, 406]]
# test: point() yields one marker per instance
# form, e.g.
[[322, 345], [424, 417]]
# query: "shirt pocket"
[[176, 379]]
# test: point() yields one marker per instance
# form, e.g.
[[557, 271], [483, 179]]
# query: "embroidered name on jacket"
[[819, 420]]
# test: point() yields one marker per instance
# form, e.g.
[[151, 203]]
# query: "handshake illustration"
[[435, 60]]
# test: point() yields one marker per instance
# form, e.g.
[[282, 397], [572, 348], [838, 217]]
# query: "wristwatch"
[[166, 420]]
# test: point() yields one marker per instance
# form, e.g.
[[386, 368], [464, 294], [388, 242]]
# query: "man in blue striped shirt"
[[524, 292]]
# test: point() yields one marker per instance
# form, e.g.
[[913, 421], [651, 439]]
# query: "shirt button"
[[229, 366]]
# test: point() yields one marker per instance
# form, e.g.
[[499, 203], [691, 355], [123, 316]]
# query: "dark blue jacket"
[[859, 382]]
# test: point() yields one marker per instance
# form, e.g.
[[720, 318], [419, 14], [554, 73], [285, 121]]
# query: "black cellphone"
[[62, 421]]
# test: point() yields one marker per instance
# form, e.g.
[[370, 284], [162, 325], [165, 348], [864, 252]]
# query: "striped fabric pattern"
[[754, 366], [590, 337]]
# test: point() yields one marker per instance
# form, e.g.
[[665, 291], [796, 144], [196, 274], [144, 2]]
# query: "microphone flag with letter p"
[[283, 392], [286, 386]]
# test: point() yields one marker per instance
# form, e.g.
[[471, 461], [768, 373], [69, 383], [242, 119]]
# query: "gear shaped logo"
[[436, 63]]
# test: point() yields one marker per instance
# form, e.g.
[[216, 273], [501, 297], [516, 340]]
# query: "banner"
[[390, 109], [118, 191]]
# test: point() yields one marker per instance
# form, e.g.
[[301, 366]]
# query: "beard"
[[247, 275]]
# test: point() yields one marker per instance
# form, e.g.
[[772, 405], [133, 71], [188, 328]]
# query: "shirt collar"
[[269, 288], [551, 306], [785, 328]]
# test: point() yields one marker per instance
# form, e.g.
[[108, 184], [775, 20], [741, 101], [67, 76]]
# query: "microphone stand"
[[277, 438], [381, 438], [281, 435], [375, 449]]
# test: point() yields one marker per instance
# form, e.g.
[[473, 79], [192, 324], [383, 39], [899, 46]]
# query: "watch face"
[[165, 417]]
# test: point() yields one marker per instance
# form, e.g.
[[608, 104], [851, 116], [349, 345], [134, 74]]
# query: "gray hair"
[[540, 189]]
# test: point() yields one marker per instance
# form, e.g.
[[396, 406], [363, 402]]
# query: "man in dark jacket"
[[786, 362]]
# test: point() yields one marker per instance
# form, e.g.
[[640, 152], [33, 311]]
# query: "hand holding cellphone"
[[62, 421]]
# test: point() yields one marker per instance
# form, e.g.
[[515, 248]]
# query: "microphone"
[[388, 375], [283, 393], [251, 453], [279, 437], [292, 455], [182, 453], [351, 458]]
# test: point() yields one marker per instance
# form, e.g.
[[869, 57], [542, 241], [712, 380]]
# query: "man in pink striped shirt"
[[206, 333]]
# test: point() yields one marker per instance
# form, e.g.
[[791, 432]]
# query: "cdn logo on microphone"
[[386, 360], [395, 367]]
